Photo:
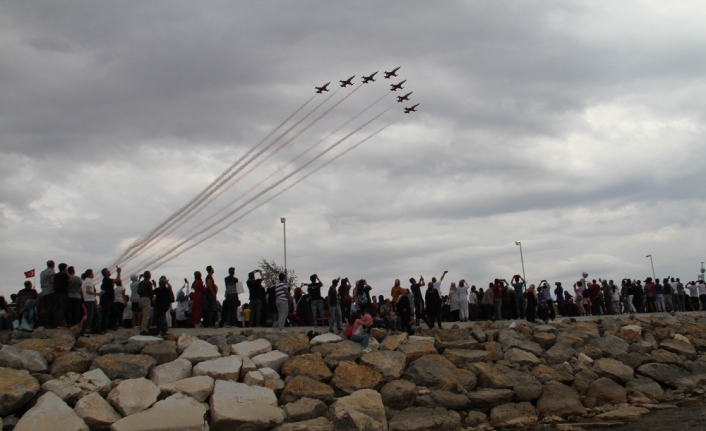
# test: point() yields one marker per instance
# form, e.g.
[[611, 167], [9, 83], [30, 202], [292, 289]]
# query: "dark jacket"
[[163, 299], [144, 289]]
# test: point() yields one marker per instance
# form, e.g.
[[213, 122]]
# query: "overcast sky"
[[576, 128]]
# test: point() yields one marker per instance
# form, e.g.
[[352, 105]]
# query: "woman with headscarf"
[[163, 299], [404, 309], [433, 304], [453, 302], [531, 303], [198, 290], [462, 294]]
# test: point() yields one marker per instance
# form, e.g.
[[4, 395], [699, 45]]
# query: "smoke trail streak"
[[281, 167], [200, 198], [275, 184], [199, 209], [193, 202], [221, 229]]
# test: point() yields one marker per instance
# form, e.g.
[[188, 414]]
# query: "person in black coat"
[[433, 305], [163, 299], [531, 303]]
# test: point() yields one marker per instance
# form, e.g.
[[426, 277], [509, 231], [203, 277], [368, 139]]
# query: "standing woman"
[[344, 291], [462, 297], [183, 310], [487, 302], [209, 299], [396, 291], [163, 298], [433, 305], [89, 303], [531, 303], [196, 299], [453, 303]]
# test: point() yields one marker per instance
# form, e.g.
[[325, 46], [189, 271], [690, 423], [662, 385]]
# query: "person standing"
[[531, 304], [89, 303], [257, 295], [681, 295], [344, 291], [62, 281], [316, 301], [283, 298], [702, 294], [119, 304], [498, 299], [229, 315], [163, 299], [334, 306], [462, 297], [518, 283], [73, 317], [433, 305], [559, 294], [396, 291], [659, 297], [416, 289], [668, 291], [108, 298], [404, 310], [135, 300], [146, 292], [209, 299], [46, 282]]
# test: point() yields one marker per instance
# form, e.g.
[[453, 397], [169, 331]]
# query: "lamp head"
[[649, 255], [585, 274], [282, 219], [517, 242]]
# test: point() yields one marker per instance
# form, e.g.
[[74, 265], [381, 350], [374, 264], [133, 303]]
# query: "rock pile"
[[482, 377]]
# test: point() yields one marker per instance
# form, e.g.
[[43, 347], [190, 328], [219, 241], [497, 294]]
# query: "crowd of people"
[[67, 299]]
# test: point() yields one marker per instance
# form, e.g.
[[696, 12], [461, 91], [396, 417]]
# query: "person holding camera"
[[519, 284]]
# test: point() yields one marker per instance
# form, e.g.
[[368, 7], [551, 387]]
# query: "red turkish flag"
[[29, 274]]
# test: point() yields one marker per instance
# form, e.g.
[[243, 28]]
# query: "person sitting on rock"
[[357, 331]]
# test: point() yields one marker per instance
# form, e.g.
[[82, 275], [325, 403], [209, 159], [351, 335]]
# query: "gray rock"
[[605, 390], [544, 339], [132, 348], [663, 373], [144, 340], [198, 388], [634, 360], [647, 386], [306, 387], [111, 348], [163, 352], [237, 405], [304, 409], [362, 410], [521, 357], [613, 369], [488, 398], [226, 368], [559, 353], [124, 366], [49, 413], [66, 387], [12, 357], [176, 413], [666, 357], [582, 380], [398, 394], [252, 348], [221, 342], [450, 401], [133, 396], [424, 418], [610, 345], [478, 334], [171, 372], [518, 415], [389, 364], [559, 400], [17, 388], [50, 348], [462, 357], [273, 359], [96, 412], [72, 362], [318, 424], [437, 372], [199, 351], [679, 347]]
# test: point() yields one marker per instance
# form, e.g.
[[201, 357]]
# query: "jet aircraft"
[[367, 79], [405, 97], [322, 88], [395, 87], [393, 73], [348, 81], [411, 109]]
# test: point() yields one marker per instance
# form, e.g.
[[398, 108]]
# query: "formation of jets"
[[371, 78]]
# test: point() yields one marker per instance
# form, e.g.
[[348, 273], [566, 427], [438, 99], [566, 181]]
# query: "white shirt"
[[437, 286], [702, 289], [693, 290], [120, 294], [472, 297], [462, 292], [84, 287]]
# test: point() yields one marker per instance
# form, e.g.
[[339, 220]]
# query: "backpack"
[[349, 330]]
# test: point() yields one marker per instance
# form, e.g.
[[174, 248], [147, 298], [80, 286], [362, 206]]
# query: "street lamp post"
[[284, 223], [654, 279], [522, 259]]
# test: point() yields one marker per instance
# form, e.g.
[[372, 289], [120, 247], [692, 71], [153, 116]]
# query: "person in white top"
[[702, 293], [118, 305], [462, 292], [89, 303], [437, 284]]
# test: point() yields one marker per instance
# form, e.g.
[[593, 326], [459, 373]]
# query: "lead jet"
[[405, 97], [395, 87], [393, 73], [348, 81], [411, 109], [367, 79], [322, 88]]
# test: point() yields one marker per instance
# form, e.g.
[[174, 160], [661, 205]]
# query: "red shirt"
[[497, 292]]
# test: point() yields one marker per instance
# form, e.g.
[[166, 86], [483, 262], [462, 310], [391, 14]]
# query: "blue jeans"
[[255, 312], [90, 312], [362, 339], [335, 315], [317, 305]]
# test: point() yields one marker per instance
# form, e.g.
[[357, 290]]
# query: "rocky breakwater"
[[486, 376]]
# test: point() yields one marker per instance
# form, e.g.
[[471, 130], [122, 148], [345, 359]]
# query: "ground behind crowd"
[[637, 372]]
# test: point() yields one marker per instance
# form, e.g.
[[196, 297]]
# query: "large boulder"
[[291, 344], [362, 410], [582, 380], [176, 413], [50, 413], [333, 353], [94, 342], [199, 388], [144, 340], [521, 357], [447, 400], [225, 368], [50, 348], [306, 387], [132, 396], [66, 387], [437, 372], [610, 345], [237, 406], [545, 339], [350, 377], [393, 341], [605, 390], [12, 357], [249, 349], [462, 357], [559, 352], [310, 365], [488, 398], [304, 409], [518, 415], [273, 359], [613, 369], [390, 364], [665, 374], [646, 386], [124, 366], [72, 362], [624, 414], [163, 352], [679, 347], [424, 418], [544, 374], [96, 412], [171, 372], [17, 387], [417, 349], [398, 394], [559, 400], [525, 385], [492, 376], [325, 339], [199, 351], [183, 342]]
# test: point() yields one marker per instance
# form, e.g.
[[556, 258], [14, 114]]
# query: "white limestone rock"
[[96, 412], [171, 372], [252, 348], [133, 396], [273, 359], [199, 351], [199, 388], [226, 368], [144, 340], [254, 378], [325, 339], [235, 405], [51, 413], [176, 413]]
